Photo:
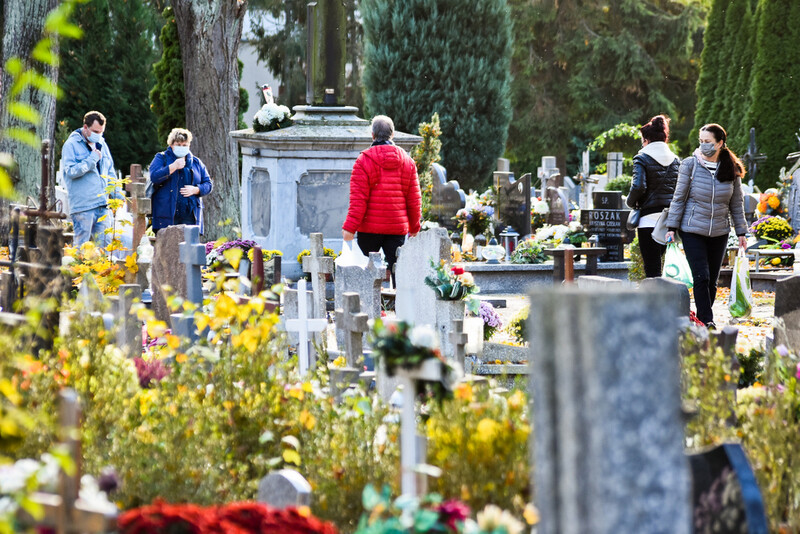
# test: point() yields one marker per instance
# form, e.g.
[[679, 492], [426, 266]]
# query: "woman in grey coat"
[[708, 197]]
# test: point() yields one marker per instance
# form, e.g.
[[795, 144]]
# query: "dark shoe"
[[711, 325]]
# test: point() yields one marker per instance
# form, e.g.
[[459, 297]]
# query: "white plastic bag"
[[351, 256]]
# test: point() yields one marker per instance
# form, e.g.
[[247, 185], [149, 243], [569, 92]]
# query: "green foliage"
[[109, 71], [426, 56], [751, 366], [168, 96], [581, 67], [425, 154], [620, 183], [636, 267], [518, 326], [529, 251]]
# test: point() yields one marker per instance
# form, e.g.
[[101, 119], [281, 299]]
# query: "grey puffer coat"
[[703, 205]]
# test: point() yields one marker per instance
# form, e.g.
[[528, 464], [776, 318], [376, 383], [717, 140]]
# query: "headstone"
[[726, 496], [458, 340], [549, 168], [752, 157], [607, 408], [446, 198], [366, 282], [140, 204], [787, 308], [595, 282], [614, 164], [610, 228], [607, 200], [353, 323], [670, 284], [164, 272], [558, 204], [129, 328], [503, 165], [514, 201], [193, 257], [304, 325], [415, 302], [318, 266], [283, 489], [793, 202], [291, 309]]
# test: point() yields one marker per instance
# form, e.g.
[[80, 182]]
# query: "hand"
[[189, 190], [413, 235], [177, 165], [742, 241], [348, 236], [99, 154], [670, 237]]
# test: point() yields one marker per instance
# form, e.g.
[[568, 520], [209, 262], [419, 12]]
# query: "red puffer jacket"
[[384, 193]]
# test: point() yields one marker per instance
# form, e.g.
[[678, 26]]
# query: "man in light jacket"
[[87, 166]]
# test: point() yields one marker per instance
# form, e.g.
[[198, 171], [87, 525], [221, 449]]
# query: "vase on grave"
[[446, 312]]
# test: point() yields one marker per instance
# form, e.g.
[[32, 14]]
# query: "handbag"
[[633, 219], [660, 229]]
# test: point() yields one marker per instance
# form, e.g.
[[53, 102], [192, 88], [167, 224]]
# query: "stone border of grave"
[[518, 278]]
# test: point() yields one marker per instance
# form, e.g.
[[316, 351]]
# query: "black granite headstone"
[[609, 227], [514, 201], [446, 198], [726, 495], [607, 200], [787, 307]]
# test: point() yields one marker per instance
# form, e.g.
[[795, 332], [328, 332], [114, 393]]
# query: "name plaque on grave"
[[607, 200], [609, 227], [322, 201]]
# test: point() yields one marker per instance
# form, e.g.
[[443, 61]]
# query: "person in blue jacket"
[[87, 166], [180, 180]]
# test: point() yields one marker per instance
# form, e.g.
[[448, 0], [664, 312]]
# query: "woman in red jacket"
[[385, 200]]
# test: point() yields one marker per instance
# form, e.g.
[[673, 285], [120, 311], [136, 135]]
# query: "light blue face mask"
[[180, 151], [95, 137]]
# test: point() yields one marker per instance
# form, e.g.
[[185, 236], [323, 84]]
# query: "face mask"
[[95, 137], [180, 151], [707, 149]]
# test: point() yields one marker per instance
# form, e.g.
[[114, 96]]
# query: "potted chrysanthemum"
[[272, 117]]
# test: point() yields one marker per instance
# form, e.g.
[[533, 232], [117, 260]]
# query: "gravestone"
[[291, 309], [670, 284], [787, 308], [614, 164], [793, 202], [458, 341], [607, 411], [549, 168], [129, 327], [446, 198], [366, 282], [514, 201], [353, 324], [607, 200], [305, 325], [608, 224], [193, 257], [503, 165], [140, 204], [167, 269], [726, 496], [284, 489], [415, 302], [558, 204], [318, 266]]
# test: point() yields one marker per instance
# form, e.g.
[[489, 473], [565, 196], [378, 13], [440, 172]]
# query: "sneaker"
[[711, 325]]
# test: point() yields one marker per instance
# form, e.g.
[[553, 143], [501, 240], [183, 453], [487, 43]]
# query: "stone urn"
[[446, 312]]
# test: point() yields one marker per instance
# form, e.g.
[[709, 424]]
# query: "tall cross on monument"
[[193, 256], [752, 157], [327, 39]]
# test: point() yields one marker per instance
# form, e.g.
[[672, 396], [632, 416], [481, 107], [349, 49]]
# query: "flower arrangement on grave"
[[224, 253], [451, 283], [769, 203], [231, 518], [325, 252], [476, 219], [772, 228], [272, 117], [431, 514], [89, 258], [491, 319], [266, 254], [529, 251], [539, 212]]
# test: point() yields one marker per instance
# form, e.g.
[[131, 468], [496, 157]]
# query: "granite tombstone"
[[446, 198], [513, 201]]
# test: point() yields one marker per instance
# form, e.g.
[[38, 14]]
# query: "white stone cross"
[[193, 256], [458, 340], [318, 265], [353, 322], [303, 325]]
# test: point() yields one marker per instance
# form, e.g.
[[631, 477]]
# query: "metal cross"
[[303, 325], [318, 265], [353, 322], [752, 156]]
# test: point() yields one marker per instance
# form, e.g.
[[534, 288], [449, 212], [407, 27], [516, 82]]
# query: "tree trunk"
[[210, 31], [22, 29]]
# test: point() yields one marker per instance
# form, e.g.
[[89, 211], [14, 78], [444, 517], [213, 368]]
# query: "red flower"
[[457, 270], [451, 512]]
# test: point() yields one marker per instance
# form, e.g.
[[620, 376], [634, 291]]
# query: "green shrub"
[[620, 183], [518, 326]]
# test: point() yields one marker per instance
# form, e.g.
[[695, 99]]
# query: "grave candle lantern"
[[510, 238], [492, 252]]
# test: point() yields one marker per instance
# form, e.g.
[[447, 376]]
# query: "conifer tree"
[[775, 108], [168, 97], [426, 56], [711, 69], [737, 87]]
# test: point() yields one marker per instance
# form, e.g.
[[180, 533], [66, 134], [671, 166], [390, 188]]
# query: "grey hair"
[[382, 128], [180, 135]]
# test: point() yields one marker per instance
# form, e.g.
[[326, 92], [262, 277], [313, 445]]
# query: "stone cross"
[[193, 256], [129, 328], [303, 325], [140, 204], [318, 265], [458, 340], [353, 322], [65, 512], [366, 282]]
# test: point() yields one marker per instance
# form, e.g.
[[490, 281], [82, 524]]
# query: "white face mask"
[[180, 151], [95, 137]]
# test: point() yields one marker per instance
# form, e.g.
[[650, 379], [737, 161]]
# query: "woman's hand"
[[177, 165], [670, 237], [742, 241], [189, 190]]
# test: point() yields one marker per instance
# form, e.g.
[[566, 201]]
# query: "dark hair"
[[92, 116], [730, 166], [656, 130]]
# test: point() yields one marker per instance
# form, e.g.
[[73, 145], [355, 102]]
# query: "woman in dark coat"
[[655, 172], [180, 180]]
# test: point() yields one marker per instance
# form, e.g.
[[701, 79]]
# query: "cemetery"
[[513, 371]]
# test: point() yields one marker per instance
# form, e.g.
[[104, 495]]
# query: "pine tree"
[[738, 82], [775, 108], [711, 69], [426, 56], [168, 97]]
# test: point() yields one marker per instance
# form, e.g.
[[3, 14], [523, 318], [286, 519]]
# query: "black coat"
[[653, 184]]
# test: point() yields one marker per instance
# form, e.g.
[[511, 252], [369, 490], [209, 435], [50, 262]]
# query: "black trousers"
[[652, 252], [389, 243], [705, 255]]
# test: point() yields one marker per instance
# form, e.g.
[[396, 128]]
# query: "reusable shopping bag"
[[676, 266], [740, 302]]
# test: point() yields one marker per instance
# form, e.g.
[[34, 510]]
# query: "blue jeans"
[[88, 226]]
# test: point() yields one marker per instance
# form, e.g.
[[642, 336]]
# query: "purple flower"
[[782, 350], [452, 512], [798, 371], [149, 371], [785, 245], [209, 247], [108, 480], [489, 315]]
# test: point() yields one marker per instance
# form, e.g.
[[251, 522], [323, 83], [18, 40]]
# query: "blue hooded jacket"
[[166, 187], [83, 173]]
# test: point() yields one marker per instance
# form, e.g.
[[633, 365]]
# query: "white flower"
[[96, 499], [544, 233], [541, 207], [472, 201], [424, 336], [575, 226], [559, 231], [270, 112], [493, 518]]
